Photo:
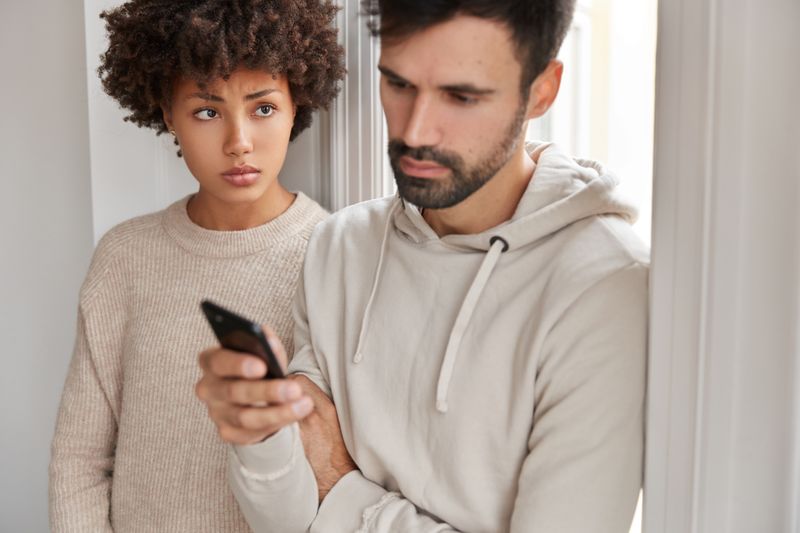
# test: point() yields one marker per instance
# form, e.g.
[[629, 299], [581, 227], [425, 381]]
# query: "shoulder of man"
[[354, 224], [592, 250]]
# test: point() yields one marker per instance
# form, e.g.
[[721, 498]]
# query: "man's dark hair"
[[537, 26], [153, 43]]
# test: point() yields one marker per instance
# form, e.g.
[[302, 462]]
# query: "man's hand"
[[246, 408], [322, 439]]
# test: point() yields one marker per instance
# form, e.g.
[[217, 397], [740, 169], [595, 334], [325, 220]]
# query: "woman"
[[234, 82]]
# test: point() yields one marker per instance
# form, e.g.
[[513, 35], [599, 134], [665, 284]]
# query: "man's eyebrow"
[[466, 88], [391, 74], [215, 98]]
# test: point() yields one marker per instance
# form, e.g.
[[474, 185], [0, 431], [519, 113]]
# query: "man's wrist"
[[337, 473]]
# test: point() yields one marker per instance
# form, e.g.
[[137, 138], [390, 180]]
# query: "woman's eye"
[[264, 110], [206, 114]]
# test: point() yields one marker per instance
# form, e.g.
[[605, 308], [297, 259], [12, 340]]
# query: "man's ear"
[[544, 89]]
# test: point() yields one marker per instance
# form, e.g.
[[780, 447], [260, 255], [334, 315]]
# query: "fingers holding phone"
[[247, 410], [242, 383]]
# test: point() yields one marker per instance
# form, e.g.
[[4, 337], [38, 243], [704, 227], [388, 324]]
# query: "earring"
[[172, 132]]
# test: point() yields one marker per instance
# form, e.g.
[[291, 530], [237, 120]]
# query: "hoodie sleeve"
[[584, 467], [357, 504], [273, 481], [276, 488]]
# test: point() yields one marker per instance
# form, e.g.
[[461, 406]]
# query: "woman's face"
[[233, 134]]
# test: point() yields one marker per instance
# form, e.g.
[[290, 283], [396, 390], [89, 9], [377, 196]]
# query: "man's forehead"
[[461, 50]]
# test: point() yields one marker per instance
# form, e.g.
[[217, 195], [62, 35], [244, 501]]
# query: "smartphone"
[[241, 335]]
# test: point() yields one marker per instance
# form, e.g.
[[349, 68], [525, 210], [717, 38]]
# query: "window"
[[606, 105]]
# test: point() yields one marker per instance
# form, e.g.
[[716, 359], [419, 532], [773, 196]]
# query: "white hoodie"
[[488, 382]]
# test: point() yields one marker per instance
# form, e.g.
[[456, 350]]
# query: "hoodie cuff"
[[345, 506], [270, 459]]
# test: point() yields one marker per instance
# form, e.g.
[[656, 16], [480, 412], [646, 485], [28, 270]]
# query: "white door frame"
[[723, 420]]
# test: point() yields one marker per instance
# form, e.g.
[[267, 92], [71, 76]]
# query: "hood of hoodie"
[[562, 190]]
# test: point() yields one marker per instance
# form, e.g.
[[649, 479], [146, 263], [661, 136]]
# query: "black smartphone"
[[241, 335]]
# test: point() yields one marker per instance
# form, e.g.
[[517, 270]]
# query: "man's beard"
[[433, 193]]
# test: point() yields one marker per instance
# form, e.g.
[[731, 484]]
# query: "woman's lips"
[[241, 176], [422, 169]]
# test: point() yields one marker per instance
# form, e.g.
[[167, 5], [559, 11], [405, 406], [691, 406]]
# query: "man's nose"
[[423, 127]]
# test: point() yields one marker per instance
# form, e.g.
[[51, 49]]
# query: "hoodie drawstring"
[[378, 271], [498, 246]]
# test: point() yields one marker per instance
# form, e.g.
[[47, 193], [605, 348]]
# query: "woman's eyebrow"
[[259, 94], [206, 96], [215, 98]]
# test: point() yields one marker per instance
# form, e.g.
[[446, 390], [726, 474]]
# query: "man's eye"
[[463, 99], [206, 114], [399, 84], [264, 110]]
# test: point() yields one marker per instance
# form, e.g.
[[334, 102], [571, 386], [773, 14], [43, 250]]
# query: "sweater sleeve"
[[583, 471], [82, 453], [84, 442]]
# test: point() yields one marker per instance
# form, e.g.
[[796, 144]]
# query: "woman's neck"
[[212, 213]]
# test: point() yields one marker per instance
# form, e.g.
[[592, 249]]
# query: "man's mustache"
[[398, 149]]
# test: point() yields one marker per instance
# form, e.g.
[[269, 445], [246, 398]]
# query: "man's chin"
[[426, 198], [430, 194]]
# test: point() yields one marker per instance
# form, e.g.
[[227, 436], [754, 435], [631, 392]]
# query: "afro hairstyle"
[[154, 43]]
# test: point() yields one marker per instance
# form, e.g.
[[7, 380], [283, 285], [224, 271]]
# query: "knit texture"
[[134, 450]]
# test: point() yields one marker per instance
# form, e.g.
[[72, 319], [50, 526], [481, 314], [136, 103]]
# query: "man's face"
[[451, 94]]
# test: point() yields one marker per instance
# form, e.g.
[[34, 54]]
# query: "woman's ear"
[[167, 115], [544, 89]]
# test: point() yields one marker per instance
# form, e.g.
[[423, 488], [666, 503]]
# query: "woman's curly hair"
[[153, 43]]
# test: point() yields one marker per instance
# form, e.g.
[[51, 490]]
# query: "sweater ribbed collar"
[[211, 243]]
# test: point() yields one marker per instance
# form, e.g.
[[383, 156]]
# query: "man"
[[471, 352]]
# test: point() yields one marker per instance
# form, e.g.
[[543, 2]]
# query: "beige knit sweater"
[[134, 450]]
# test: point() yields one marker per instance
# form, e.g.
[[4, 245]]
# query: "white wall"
[[45, 223]]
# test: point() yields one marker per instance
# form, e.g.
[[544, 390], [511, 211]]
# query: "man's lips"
[[422, 169], [241, 176]]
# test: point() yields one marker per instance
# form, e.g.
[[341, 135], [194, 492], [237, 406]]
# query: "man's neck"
[[489, 206]]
